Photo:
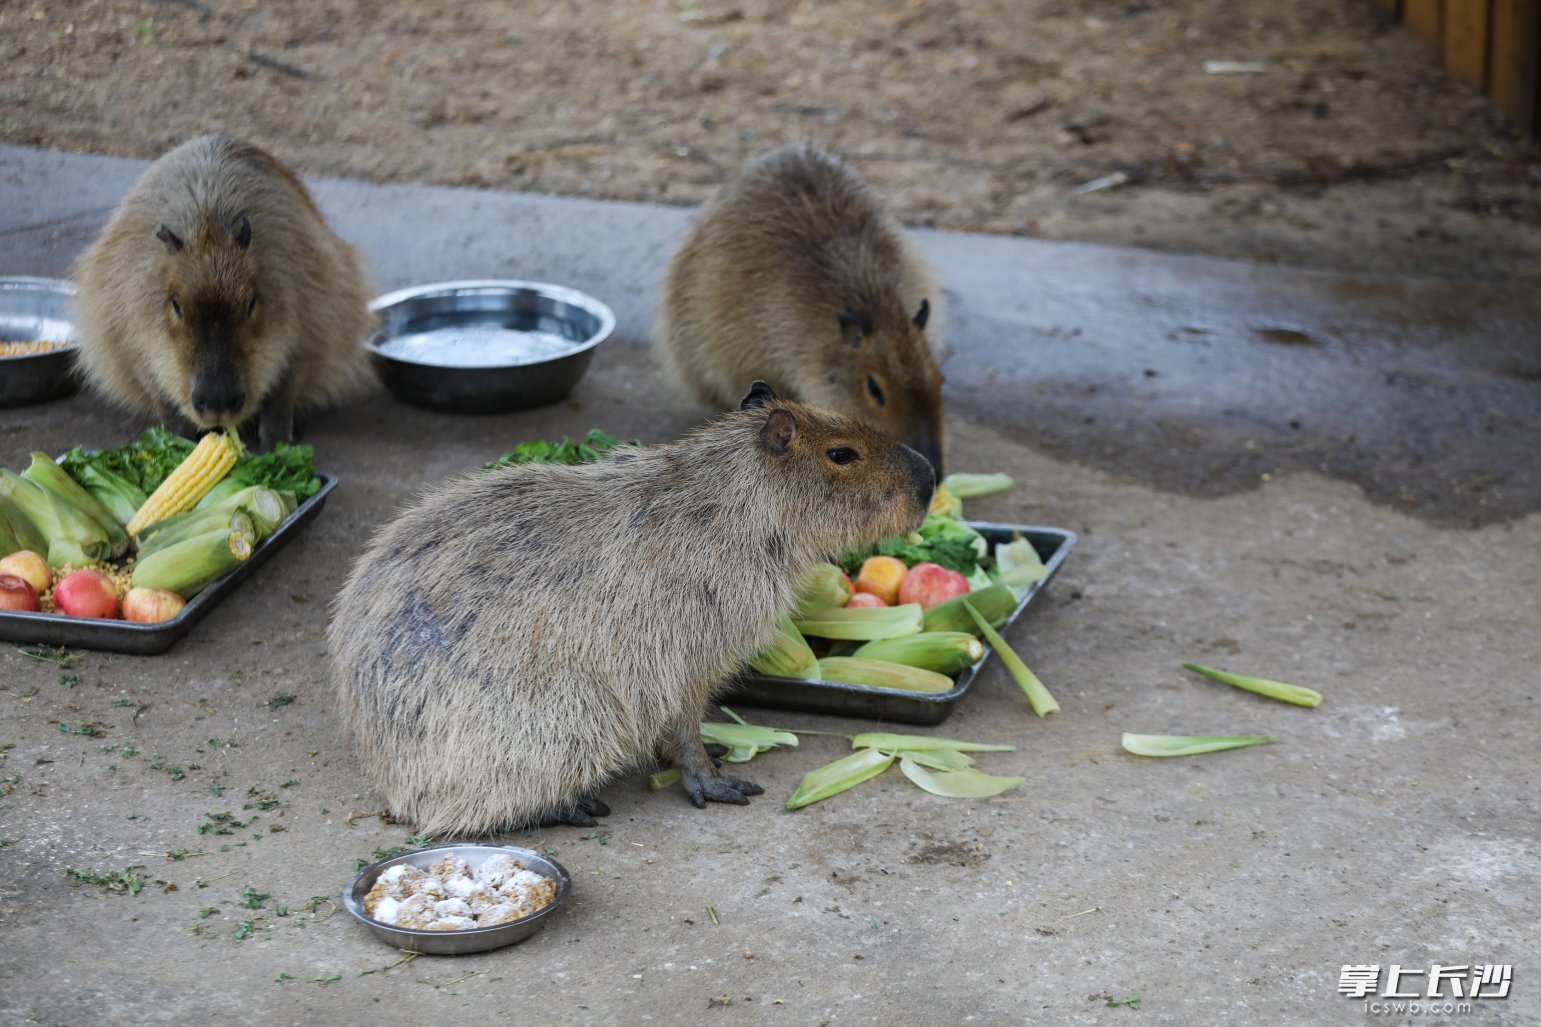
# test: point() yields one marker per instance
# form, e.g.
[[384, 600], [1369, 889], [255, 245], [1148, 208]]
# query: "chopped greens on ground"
[[595, 445]]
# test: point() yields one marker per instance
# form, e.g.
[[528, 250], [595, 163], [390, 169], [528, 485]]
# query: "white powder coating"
[[477, 346], [450, 896]]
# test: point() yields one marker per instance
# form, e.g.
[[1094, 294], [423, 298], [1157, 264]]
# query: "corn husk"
[[73, 538], [44, 471], [945, 652], [1019, 563], [787, 655], [889, 742], [853, 670], [967, 486], [997, 603], [824, 588], [1189, 745], [1296, 694], [957, 784], [22, 530], [841, 775]]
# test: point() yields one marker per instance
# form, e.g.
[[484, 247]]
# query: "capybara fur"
[[518, 637], [217, 292], [794, 272]]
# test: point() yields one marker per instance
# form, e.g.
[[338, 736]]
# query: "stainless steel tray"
[[890, 704], [122, 636]]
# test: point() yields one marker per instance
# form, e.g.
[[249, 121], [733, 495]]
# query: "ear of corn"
[[994, 603], [22, 530], [45, 472], [72, 538], [945, 652], [862, 623], [188, 566], [209, 461], [264, 506], [787, 655], [822, 589], [881, 674]]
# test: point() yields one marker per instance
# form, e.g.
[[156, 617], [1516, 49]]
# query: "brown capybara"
[[217, 292], [519, 637], [795, 273]]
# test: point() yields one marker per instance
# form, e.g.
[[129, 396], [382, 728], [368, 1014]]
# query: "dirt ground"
[[1350, 150]]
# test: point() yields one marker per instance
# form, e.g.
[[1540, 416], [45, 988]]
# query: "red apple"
[[864, 599], [151, 605], [29, 567], [86, 593], [929, 584], [16, 594]]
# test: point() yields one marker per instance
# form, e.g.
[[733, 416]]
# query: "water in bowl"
[[474, 345]]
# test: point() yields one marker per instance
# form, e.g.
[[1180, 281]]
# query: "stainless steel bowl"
[[433, 345], [36, 308], [458, 943]]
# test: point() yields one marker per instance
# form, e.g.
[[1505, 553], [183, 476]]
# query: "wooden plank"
[[1516, 60], [1423, 17], [1465, 39]]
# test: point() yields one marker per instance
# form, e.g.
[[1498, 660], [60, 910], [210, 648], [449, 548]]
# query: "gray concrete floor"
[[1385, 551]]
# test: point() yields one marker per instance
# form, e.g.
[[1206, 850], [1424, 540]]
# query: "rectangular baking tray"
[[890, 704], [121, 636]]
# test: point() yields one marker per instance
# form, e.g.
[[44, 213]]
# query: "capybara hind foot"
[[714, 787], [578, 813]]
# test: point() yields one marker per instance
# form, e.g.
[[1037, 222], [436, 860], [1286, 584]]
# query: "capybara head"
[[882, 371], [857, 482], [214, 318]]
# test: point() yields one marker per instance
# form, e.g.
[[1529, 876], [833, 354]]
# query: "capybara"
[[518, 637], [795, 273], [216, 292]]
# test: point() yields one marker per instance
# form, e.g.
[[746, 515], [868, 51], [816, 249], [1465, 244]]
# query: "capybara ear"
[[759, 395], [779, 430], [243, 232], [170, 238], [854, 325], [923, 314]]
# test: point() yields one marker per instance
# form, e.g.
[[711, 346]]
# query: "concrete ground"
[[1324, 479]]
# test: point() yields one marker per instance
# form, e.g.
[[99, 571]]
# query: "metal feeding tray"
[[891, 704], [121, 636]]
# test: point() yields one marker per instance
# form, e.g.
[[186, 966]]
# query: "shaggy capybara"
[[795, 273], [519, 637], [216, 293]]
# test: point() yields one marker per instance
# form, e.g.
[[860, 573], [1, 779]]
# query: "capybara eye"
[[875, 390], [176, 306], [251, 308], [843, 455]]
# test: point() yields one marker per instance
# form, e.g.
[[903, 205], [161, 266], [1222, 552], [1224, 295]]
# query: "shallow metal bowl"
[[431, 338], [36, 308], [458, 943]]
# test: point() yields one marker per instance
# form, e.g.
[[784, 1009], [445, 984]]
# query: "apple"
[[151, 605], [864, 599], [29, 567], [929, 584], [880, 576], [86, 593], [17, 594]]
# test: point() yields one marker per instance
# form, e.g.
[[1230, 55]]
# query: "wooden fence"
[[1493, 44]]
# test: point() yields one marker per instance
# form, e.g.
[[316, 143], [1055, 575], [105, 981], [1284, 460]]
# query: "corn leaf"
[[743, 753], [1189, 745], [1019, 563], [920, 743], [967, 486], [936, 759], [1038, 696], [1262, 686], [736, 736], [957, 784], [834, 778], [664, 778]]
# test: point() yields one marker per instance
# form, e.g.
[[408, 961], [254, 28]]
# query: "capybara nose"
[[211, 398], [922, 475]]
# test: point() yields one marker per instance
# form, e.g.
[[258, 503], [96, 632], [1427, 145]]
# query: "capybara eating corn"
[[217, 292], [795, 273], [519, 637]]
